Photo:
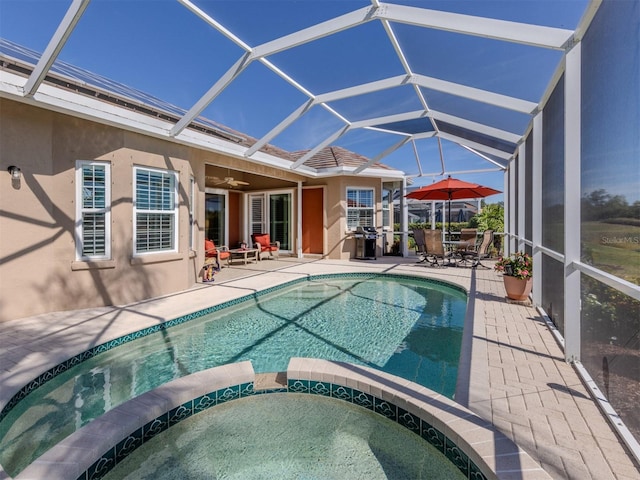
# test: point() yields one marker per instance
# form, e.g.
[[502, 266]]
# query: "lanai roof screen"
[[427, 87]]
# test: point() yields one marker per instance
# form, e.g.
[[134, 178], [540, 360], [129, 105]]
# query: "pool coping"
[[470, 442]]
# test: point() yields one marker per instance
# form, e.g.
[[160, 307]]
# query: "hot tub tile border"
[[128, 445], [115, 455], [408, 420], [404, 418], [182, 398]]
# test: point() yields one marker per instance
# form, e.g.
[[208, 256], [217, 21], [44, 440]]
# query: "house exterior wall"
[[39, 272], [341, 244]]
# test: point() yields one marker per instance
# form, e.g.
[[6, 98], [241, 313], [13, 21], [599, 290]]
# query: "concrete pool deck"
[[518, 378]]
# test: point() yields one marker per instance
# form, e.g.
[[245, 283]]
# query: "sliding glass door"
[[272, 213], [280, 219], [215, 224]]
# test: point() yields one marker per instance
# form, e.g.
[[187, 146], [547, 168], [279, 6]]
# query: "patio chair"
[[266, 247], [211, 253], [468, 235], [421, 248], [482, 251], [436, 254]]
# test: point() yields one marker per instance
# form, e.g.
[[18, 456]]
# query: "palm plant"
[[491, 218]]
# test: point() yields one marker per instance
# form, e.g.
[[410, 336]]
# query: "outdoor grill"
[[366, 238]]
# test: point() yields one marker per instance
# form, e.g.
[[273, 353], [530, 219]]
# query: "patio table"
[[244, 254], [455, 247], [455, 244]]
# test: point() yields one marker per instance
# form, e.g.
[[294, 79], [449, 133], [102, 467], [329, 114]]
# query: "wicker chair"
[[267, 248]]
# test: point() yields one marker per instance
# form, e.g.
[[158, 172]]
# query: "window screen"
[[155, 211], [360, 208], [93, 227]]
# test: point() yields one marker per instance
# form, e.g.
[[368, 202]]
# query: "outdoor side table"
[[244, 254]]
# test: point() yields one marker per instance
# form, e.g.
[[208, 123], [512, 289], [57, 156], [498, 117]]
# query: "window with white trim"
[[93, 210], [360, 208], [155, 209]]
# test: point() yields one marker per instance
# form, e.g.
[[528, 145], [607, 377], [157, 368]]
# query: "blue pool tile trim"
[[298, 386], [415, 424], [320, 388], [408, 420], [363, 399], [128, 445], [184, 411], [104, 347]]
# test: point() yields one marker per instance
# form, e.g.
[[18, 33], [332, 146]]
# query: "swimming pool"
[[405, 326]]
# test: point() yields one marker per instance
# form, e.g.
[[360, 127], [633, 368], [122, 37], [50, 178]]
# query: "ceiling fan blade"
[[234, 183], [226, 181]]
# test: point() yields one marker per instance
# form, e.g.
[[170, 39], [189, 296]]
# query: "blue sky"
[[162, 48]]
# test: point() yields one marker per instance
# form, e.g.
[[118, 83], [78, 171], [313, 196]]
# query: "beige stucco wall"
[[340, 242], [38, 272], [38, 269]]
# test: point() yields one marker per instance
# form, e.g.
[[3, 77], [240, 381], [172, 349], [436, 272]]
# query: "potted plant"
[[517, 272]]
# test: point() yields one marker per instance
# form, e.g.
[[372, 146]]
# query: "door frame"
[[266, 212], [225, 193]]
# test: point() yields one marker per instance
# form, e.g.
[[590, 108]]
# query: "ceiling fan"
[[230, 181]]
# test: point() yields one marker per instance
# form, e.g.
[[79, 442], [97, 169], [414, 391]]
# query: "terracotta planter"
[[517, 288]]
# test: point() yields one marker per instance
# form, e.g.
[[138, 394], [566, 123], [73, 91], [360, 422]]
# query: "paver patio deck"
[[513, 371]]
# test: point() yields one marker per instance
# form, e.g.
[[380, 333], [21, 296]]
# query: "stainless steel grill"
[[366, 239]]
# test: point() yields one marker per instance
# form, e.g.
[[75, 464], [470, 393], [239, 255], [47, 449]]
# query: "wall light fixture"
[[15, 172]]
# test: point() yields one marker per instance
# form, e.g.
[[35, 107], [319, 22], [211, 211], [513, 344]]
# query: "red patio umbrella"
[[451, 189]]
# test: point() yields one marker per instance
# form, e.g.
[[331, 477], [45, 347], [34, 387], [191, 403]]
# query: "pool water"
[[408, 327], [286, 436]]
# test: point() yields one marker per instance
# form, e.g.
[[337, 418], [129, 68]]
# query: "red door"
[[312, 220]]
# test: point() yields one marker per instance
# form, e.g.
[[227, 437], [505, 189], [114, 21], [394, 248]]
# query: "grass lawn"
[[614, 248]]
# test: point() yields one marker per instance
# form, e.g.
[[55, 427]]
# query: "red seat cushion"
[[211, 251], [265, 242]]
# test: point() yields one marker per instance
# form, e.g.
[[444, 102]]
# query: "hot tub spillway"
[[270, 381]]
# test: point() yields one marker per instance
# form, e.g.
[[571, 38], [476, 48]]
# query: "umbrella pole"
[[449, 216]]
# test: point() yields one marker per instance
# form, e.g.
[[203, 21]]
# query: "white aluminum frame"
[[385, 13], [572, 196]]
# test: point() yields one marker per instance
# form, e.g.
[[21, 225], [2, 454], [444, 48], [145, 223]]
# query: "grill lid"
[[361, 229]]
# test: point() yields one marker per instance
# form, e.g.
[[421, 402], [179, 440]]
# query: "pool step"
[[268, 381]]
